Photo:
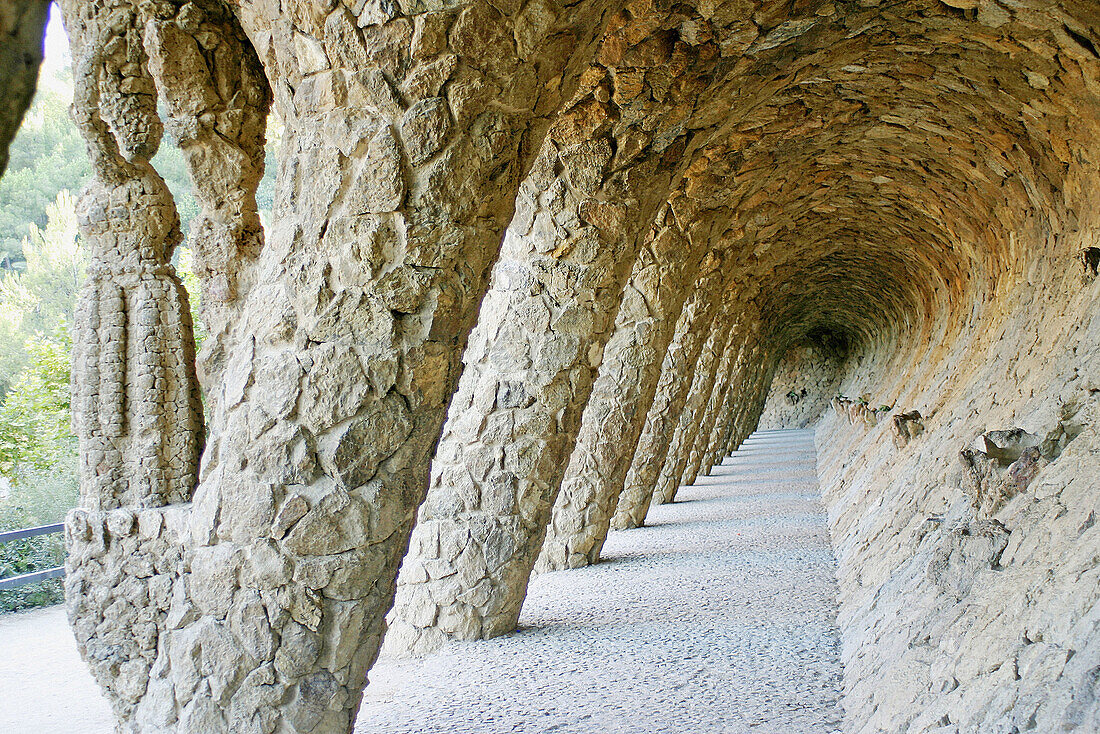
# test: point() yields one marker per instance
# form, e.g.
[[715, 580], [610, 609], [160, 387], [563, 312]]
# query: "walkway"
[[718, 617], [44, 686]]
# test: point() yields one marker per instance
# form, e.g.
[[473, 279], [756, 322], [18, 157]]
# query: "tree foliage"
[[40, 298], [46, 156], [35, 431]]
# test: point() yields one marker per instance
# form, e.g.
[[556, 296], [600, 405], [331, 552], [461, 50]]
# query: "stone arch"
[[920, 177]]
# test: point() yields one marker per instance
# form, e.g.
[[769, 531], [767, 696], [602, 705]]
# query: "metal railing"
[[29, 578]]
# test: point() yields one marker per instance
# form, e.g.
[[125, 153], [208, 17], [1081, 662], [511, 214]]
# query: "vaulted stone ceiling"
[[896, 147], [533, 265]]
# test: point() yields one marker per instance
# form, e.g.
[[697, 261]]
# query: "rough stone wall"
[[806, 380], [967, 565], [916, 178]]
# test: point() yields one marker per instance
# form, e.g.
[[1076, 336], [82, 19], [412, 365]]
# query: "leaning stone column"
[[616, 411], [735, 436], [734, 394], [529, 367], [754, 394], [692, 330], [701, 387], [539, 341], [729, 442], [724, 375]]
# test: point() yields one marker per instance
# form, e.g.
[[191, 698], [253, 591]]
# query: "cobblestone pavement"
[[718, 616]]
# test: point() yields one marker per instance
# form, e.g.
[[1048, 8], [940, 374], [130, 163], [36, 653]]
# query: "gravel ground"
[[718, 617], [44, 686]]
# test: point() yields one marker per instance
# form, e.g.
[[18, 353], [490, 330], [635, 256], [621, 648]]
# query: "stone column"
[[616, 411], [701, 446], [335, 345], [731, 404], [136, 403], [534, 355], [218, 100], [692, 330], [702, 385], [757, 378], [136, 406], [23, 28], [528, 369]]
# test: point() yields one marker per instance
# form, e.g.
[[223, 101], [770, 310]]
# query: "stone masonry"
[[532, 266]]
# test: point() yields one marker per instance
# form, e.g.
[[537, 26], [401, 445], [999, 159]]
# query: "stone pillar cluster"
[[531, 268], [136, 401], [580, 220], [614, 415], [693, 329]]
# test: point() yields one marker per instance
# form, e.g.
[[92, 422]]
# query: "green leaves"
[[35, 426], [46, 156], [39, 300]]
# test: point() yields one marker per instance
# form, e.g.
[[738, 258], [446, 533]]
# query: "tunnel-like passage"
[[533, 268]]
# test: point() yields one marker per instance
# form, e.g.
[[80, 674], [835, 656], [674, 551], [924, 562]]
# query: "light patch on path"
[[44, 686], [719, 617]]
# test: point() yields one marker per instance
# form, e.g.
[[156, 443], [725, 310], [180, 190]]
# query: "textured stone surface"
[[806, 380], [968, 569], [22, 31], [964, 527], [914, 180], [344, 328]]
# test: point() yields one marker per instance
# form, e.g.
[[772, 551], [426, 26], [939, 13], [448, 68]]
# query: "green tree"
[[46, 156], [173, 169], [42, 295], [35, 430], [185, 269]]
